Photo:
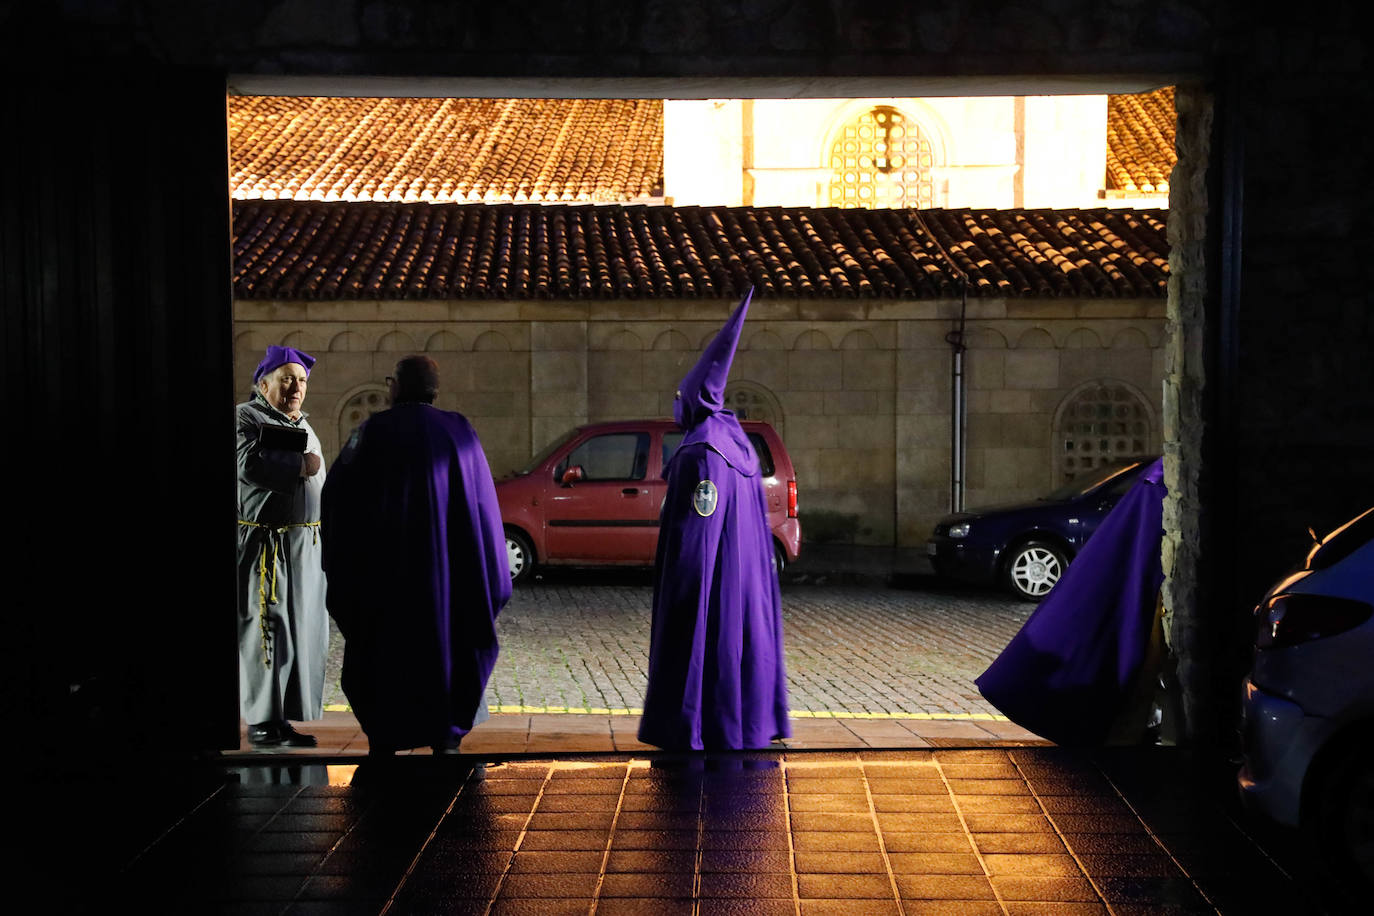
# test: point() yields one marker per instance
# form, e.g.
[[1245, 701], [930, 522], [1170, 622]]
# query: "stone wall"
[[861, 393]]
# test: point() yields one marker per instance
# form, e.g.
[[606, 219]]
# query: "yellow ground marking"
[[796, 714]]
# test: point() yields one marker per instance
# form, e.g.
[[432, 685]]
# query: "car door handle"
[[630, 491]]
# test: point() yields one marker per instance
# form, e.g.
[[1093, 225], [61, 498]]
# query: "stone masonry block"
[[923, 370], [622, 405], [921, 431], [558, 335], [615, 371], [558, 371], [1032, 369], [868, 370], [866, 432], [811, 431], [850, 403], [986, 370], [500, 371], [815, 370]]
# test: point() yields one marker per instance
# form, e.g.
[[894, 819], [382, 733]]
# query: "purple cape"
[[1068, 672], [717, 677], [415, 558]]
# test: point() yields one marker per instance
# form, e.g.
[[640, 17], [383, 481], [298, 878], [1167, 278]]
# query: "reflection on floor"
[[943, 830]]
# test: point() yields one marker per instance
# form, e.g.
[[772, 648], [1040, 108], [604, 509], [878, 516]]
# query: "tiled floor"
[[1001, 830], [562, 733]]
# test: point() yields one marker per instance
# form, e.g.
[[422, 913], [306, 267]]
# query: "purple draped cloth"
[[1069, 671], [717, 677], [415, 558]]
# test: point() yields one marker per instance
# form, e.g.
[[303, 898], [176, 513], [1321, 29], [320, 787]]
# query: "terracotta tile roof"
[[319, 250], [1140, 141], [444, 150]]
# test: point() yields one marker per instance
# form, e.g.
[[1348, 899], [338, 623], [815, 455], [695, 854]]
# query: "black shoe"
[[447, 748], [264, 734], [292, 738]]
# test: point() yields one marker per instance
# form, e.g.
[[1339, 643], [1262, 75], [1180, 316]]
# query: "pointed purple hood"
[[699, 407]]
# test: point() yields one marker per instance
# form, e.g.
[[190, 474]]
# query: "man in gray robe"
[[283, 627]]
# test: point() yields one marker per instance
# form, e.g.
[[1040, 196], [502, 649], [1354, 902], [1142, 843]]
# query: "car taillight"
[[791, 499], [1287, 620]]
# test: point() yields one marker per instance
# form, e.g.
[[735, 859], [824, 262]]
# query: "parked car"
[[593, 497], [1307, 715], [1025, 547]]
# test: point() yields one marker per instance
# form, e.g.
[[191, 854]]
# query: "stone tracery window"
[[881, 159], [751, 401], [1100, 424], [358, 408]]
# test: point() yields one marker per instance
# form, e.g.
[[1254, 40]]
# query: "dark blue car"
[[1026, 547]]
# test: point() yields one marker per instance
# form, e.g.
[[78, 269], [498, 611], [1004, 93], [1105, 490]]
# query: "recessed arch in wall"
[[1083, 339], [1130, 339], [859, 340], [1035, 339], [764, 340], [672, 340], [444, 341], [301, 340], [396, 342], [812, 340], [623, 340], [491, 340], [348, 342], [1100, 422]]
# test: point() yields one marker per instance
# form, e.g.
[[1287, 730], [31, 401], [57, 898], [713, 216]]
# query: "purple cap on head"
[[280, 356]]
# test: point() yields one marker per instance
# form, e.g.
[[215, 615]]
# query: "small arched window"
[[881, 159], [1099, 424], [751, 401], [358, 408]]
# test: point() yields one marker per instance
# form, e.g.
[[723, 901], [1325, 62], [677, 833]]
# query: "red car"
[[592, 498]]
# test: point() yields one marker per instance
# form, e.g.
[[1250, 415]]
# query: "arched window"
[[881, 159], [751, 401], [1100, 423], [358, 408]]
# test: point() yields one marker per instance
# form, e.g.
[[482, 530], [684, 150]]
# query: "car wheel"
[[1338, 815], [1033, 568], [779, 558], [519, 555]]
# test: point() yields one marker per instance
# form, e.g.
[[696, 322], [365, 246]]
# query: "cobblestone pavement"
[[580, 644]]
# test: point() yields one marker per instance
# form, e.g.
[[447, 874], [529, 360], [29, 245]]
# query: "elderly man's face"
[[284, 388]]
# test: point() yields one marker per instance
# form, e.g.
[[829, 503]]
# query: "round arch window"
[[1100, 424], [358, 408]]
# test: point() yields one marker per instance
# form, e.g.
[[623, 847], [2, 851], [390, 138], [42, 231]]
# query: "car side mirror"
[[572, 475]]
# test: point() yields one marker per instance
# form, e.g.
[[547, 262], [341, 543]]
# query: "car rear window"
[[672, 440], [1344, 541]]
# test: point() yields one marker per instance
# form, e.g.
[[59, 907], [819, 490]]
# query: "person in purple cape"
[[415, 557], [1077, 664], [717, 678]]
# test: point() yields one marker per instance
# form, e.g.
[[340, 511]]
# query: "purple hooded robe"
[[415, 556], [1069, 671], [716, 669]]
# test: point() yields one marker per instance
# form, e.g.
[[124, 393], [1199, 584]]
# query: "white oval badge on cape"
[[704, 498]]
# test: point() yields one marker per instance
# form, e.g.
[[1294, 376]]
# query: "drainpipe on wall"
[[958, 411], [958, 408]]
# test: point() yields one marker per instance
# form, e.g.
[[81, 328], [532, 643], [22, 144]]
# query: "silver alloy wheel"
[[1034, 569]]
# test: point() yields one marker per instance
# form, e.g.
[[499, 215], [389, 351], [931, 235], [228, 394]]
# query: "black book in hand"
[[280, 438]]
